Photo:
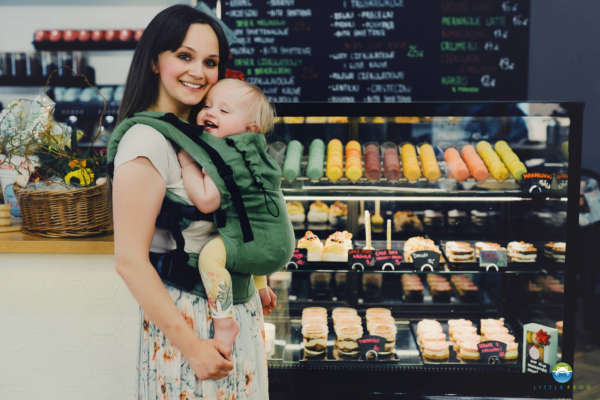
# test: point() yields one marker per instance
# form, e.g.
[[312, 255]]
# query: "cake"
[[346, 345], [522, 252], [269, 339], [407, 221], [412, 287], [460, 252], [337, 246], [338, 214], [295, 211], [456, 218], [315, 339], [419, 243], [388, 332], [318, 213], [437, 351], [313, 246], [433, 219], [555, 251]]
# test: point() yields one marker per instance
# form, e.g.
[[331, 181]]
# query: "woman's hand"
[[268, 299], [208, 361]]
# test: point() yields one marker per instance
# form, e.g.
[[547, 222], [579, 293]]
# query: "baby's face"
[[226, 110]]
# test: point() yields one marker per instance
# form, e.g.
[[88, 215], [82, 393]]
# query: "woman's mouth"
[[191, 85]]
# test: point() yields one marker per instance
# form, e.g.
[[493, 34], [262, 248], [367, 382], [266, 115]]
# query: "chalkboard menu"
[[381, 50]]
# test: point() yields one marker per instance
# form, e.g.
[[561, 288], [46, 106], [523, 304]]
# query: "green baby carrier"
[[252, 218]]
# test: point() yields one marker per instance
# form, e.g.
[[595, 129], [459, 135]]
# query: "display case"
[[458, 214]]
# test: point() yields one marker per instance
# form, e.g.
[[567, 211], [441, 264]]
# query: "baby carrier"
[[253, 222]]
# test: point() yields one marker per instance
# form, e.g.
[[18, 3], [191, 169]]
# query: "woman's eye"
[[211, 63], [184, 57], [224, 111]]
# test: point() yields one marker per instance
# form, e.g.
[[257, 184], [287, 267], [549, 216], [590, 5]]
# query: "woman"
[[181, 54]]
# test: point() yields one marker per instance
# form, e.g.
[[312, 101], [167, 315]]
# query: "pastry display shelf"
[[323, 268]]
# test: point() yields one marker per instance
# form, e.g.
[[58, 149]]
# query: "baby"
[[231, 107]]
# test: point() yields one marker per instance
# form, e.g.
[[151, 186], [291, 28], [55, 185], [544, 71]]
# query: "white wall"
[[69, 328]]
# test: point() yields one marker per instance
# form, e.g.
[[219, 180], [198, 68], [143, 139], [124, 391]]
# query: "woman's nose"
[[197, 70]]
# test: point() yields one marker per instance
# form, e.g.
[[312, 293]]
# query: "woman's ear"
[[155, 68]]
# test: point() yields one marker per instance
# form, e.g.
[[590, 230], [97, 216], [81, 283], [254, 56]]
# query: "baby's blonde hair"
[[264, 114]]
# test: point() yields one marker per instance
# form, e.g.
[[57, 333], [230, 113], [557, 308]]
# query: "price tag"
[[388, 259], [370, 347], [536, 183], [492, 351], [426, 260], [361, 259], [298, 259], [493, 260]]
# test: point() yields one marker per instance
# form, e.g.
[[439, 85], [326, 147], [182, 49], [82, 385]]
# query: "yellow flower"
[[84, 175]]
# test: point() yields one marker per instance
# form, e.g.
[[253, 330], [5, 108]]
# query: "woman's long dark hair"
[[166, 31]]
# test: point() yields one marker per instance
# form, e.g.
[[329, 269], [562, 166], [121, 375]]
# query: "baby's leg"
[[217, 283]]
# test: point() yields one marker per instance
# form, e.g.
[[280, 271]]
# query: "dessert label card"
[[361, 259], [370, 346], [492, 351], [540, 344], [388, 259], [298, 259], [425, 260], [493, 259]]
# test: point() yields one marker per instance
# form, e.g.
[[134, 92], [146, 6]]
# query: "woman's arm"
[[138, 192], [201, 190]]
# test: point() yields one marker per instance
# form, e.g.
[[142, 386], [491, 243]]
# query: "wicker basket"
[[77, 212]]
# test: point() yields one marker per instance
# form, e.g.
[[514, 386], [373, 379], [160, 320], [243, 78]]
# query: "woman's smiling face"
[[186, 74]]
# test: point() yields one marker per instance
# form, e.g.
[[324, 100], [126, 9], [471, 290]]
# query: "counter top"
[[20, 242]]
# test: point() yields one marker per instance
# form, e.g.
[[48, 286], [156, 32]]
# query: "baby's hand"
[[185, 159]]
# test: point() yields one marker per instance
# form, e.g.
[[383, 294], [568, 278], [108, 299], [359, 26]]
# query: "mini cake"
[[344, 237], [295, 211], [388, 332], [480, 218], [433, 219], [315, 340], [419, 243], [340, 311], [412, 287], [269, 339], [512, 351], [439, 287], [313, 246], [460, 252], [338, 214], [318, 213], [457, 218], [555, 251], [378, 312], [465, 288], [407, 221], [346, 345], [521, 252], [468, 350], [437, 351]]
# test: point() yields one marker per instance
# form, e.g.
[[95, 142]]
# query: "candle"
[[367, 229], [389, 234]]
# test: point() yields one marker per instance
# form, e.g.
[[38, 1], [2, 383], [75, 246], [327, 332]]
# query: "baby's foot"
[[226, 330]]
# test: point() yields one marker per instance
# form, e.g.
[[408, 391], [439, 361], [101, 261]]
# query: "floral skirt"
[[164, 374]]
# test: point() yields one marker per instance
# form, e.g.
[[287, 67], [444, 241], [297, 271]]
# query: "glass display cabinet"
[[430, 237]]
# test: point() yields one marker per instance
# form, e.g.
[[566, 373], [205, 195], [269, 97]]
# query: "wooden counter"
[[20, 242]]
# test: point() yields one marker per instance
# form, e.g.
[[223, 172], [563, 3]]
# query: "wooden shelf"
[[24, 243]]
